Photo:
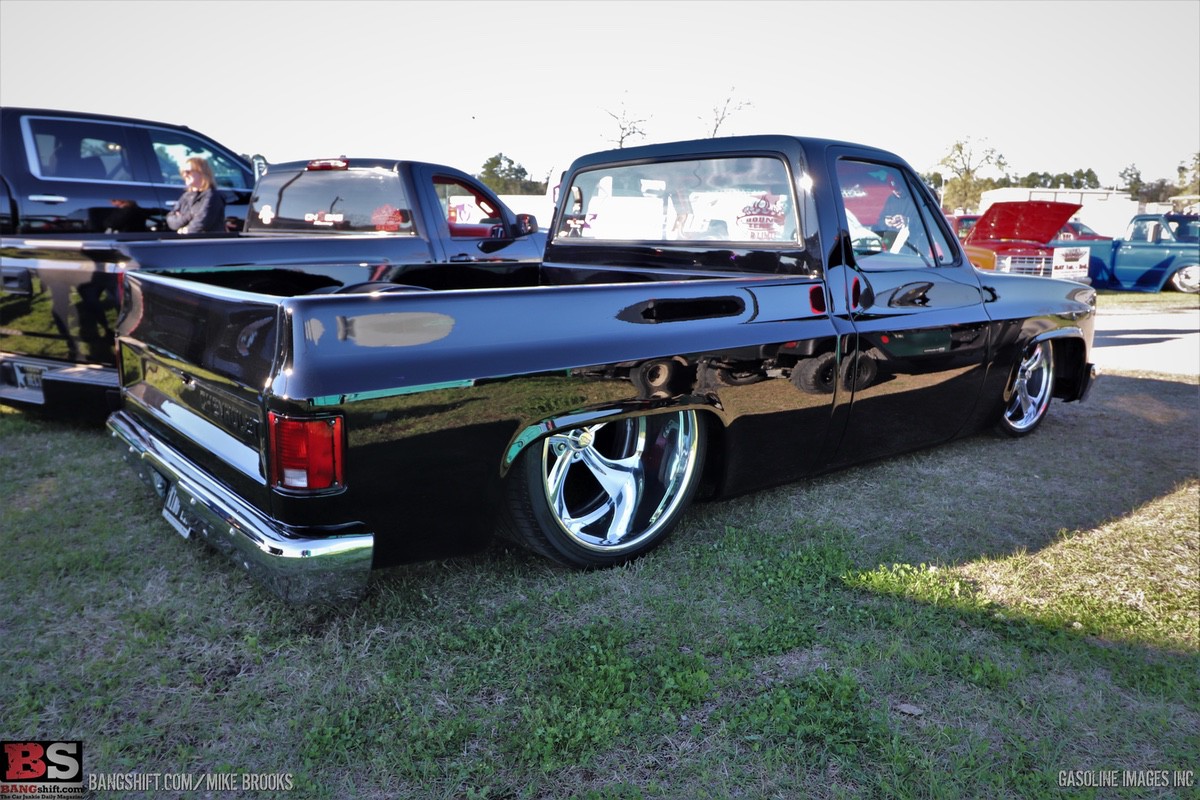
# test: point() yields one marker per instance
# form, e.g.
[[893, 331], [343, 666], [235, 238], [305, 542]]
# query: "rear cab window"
[[740, 200], [891, 222], [315, 200]]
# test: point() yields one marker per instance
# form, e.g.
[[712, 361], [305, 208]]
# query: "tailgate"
[[193, 361]]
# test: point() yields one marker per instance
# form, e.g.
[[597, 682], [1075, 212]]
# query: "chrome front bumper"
[[303, 570]]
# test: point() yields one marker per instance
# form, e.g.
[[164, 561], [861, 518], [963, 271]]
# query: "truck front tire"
[[1027, 398]]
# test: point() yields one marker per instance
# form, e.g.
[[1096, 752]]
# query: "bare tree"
[[721, 113], [627, 126]]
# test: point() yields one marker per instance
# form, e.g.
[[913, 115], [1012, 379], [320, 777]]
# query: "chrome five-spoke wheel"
[[603, 494], [1186, 279], [1028, 395]]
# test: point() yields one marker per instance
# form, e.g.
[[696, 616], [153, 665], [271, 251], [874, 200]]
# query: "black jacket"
[[199, 212]]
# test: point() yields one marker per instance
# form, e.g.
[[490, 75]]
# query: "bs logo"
[[41, 762]]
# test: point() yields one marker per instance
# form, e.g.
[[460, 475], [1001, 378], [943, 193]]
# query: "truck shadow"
[[1131, 442], [1139, 336]]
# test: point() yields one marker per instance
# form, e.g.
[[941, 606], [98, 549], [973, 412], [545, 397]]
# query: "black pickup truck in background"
[[68, 172], [351, 221]]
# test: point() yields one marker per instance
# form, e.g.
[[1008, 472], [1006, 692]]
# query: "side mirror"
[[260, 166], [526, 224]]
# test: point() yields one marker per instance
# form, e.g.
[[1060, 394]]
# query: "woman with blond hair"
[[200, 209]]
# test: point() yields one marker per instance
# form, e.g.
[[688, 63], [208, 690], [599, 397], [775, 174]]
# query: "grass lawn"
[[992, 618]]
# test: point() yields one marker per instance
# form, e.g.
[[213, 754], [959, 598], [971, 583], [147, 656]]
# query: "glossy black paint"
[[441, 391]]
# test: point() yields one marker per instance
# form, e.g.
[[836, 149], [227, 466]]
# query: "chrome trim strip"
[[300, 570]]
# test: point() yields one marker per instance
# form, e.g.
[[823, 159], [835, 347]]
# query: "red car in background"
[[961, 224], [1016, 237], [1077, 230]]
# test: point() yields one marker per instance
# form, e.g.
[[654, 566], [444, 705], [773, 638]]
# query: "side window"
[[468, 212], [79, 150], [891, 222], [172, 148], [1138, 232]]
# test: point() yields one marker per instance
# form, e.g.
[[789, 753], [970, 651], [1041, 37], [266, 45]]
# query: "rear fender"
[[537, 431]]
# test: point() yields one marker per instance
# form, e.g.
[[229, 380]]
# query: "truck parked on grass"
[[352, 220], [709, 318], [1158, 251]]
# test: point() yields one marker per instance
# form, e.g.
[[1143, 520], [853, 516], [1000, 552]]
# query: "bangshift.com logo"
[[50, 765]]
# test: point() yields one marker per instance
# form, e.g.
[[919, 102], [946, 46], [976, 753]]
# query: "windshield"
[[338, 200]]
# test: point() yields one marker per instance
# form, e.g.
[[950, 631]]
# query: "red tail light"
[[327, 163], [305, 452]]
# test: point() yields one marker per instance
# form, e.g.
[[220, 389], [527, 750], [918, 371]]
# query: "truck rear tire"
[[604, 494]]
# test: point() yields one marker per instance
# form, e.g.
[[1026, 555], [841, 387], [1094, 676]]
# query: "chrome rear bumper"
[[303, 570]]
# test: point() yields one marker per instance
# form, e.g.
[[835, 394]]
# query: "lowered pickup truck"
[[710, 318], [351, 220], [1158, 251]]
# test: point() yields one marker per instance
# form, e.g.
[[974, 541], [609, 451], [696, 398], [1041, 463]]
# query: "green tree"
[[1133, 179], [964, 162], [505, 176], [1189, 175], [1157, 191]]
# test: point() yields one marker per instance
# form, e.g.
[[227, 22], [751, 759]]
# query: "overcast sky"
[[1053, 86]]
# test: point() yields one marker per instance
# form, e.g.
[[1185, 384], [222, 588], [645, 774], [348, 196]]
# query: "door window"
[[468, 212], [890, 220], [79, 150], [172, 148]]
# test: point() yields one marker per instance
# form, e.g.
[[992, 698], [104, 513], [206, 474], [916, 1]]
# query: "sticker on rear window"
[[388, 218]]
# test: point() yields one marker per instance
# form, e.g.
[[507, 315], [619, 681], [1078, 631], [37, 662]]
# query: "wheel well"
[[1070, 364], [714, 460]]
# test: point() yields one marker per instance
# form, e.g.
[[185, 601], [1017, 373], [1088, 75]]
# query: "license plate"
[[170, 512], [28, 377]]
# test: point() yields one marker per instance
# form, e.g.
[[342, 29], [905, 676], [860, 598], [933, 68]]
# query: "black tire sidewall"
[[547, 537]]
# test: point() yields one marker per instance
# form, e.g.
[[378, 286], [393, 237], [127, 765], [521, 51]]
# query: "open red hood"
[[1026, 220]]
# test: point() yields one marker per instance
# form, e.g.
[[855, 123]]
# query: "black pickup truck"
[[351, 221], [710, 318]]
